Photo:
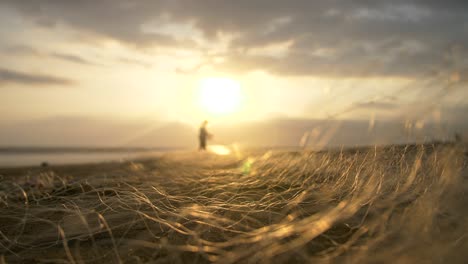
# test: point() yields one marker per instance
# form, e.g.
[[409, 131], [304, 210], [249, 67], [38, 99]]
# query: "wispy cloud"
[[14, 77], [25, 50], [135, 62], [71, 58], [377, 105]]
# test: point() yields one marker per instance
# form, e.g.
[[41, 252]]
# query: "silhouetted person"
[[203, 135]]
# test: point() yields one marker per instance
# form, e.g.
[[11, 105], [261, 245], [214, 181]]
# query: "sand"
[[396, 204]]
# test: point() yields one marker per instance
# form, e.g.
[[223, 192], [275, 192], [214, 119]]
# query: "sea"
[[25, 156]]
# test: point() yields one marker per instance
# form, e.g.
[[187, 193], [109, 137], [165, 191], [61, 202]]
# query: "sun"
[[220, 95]]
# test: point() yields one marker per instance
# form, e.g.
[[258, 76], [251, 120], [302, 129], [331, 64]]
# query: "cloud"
[[71, 58], [15, 77], [377, 105], [25, 50], [21, 50], [135, 62], [328, 38], [120, 20]]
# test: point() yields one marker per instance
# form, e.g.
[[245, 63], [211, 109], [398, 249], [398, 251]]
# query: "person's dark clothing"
[[203, 136]]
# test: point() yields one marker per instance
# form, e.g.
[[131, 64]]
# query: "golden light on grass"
[[219, 149], [220, 95], [361, 203]]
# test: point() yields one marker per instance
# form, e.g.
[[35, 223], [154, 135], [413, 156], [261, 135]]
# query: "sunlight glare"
[[220, 95], [219, 149]]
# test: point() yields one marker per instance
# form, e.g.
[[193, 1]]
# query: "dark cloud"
[[120, 20], [360, 38], [14, 77]]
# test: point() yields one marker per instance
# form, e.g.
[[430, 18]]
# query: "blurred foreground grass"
[[397, 204]]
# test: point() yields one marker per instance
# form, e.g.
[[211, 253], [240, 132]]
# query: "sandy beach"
[[354, 206], [257, 132]]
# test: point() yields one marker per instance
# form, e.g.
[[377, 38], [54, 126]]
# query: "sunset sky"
[[147, 61]]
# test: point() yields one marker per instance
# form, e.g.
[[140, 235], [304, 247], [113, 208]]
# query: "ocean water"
[[21, 157], [36, 158]]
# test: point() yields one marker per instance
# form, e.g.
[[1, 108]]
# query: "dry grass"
[[400, 204]]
